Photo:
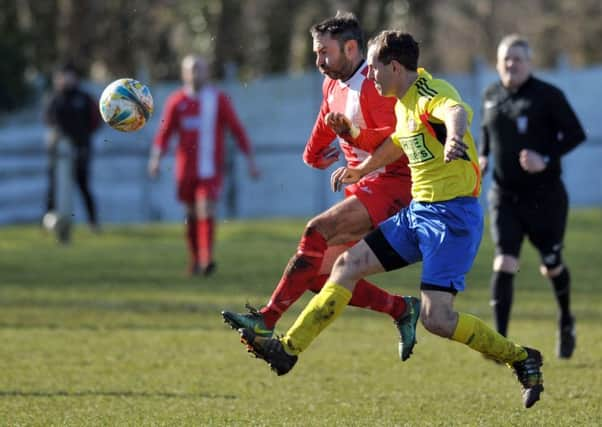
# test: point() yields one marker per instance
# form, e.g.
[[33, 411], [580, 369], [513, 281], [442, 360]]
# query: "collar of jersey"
[[356, 74]]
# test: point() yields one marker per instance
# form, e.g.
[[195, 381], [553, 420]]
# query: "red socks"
[[368, 295], [205, 231], [301, 274], [199, 239], [300, 271], [192, 242]]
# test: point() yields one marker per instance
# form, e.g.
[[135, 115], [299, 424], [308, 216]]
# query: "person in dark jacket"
[[72, 114], [527, 125]]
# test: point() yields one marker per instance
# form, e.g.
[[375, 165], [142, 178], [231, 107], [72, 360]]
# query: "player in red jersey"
[[353, 110], [199, 114]]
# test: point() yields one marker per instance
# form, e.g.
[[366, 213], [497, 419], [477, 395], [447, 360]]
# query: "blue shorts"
[[445, 236]]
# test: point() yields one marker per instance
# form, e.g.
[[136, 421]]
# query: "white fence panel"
[[278, 114]]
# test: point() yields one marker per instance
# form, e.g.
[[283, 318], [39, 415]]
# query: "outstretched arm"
[[366, 139], [386, 153], [456, 122], [379, 117], [240, 135], [319, 153], [167, 127]]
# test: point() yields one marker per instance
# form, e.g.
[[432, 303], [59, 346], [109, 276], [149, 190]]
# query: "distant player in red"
[[353, 110], [199, 114]]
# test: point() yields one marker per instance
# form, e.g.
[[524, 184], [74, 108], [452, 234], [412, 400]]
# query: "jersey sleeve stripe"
[[424, 89], [424, 118]]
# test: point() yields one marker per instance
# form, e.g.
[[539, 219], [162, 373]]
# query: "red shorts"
[[383, 196], [190, 190]]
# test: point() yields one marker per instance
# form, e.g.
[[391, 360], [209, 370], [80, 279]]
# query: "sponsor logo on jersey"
[[415, 148]]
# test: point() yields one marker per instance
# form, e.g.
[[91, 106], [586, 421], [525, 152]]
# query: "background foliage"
[[147, 38]]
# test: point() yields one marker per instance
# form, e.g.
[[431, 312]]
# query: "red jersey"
[[373, 114], [200, 120]]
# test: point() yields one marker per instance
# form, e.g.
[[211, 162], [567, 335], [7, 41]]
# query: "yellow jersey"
[[421, 133]]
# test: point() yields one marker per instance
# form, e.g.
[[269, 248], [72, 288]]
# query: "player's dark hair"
[[343, 27], [396, 46]]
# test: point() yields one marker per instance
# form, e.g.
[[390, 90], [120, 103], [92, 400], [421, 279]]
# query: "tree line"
[[147, 38]]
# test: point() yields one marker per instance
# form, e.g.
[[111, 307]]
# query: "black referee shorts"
[[540, 215]]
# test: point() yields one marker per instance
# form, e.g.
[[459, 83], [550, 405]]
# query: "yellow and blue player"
[[442, 226]]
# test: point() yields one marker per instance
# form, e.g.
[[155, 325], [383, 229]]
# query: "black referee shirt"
[[538, 117], [75, 113]]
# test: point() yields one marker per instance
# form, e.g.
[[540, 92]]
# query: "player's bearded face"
[[330, 58]]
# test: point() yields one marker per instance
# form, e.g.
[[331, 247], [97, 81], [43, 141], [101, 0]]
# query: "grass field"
[[109, 331]]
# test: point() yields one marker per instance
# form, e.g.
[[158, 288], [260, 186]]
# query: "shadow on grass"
[[139, 306], [106, 327], [202, 308], [112, 393]]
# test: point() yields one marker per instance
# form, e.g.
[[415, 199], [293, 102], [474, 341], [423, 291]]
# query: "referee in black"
[[72, 113], [527, 125]]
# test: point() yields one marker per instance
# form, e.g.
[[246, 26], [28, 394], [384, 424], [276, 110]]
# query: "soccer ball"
[[126, 105]]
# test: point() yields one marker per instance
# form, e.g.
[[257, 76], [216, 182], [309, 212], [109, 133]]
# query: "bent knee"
[[506, 263], [550, 273], [321, 225], [343, 264], [346, 268], [442, 325]]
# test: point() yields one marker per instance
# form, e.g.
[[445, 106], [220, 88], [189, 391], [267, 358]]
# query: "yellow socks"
[[326, 306], [316, 316], [475, 333]]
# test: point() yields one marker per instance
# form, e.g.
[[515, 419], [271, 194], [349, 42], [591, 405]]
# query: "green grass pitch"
[[109, 331]]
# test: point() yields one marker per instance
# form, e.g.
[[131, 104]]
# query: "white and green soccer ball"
[[126, 105]]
